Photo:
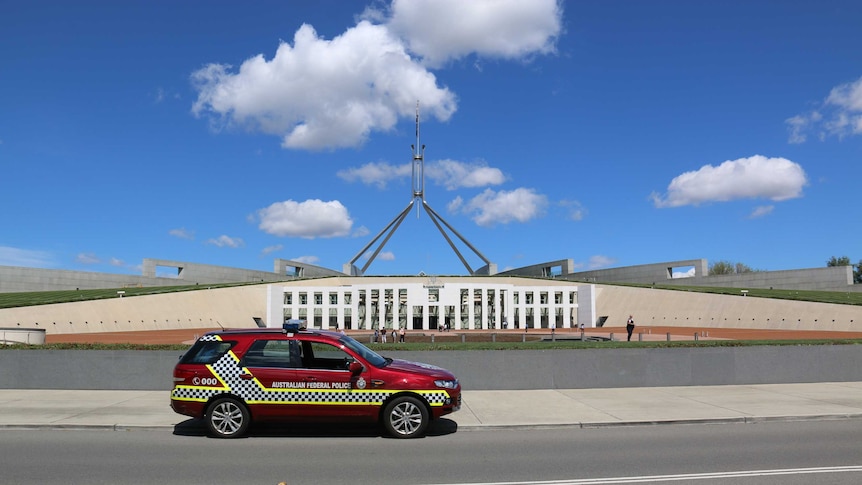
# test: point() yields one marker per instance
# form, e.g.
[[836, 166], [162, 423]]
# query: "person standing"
[[401, 333], [630, 327], [382, 334]]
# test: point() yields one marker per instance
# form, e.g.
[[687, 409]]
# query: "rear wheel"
[[227, 418], [405, 417]]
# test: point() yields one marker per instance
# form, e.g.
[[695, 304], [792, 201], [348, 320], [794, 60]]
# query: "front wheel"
[[227, 418], [405, 417]]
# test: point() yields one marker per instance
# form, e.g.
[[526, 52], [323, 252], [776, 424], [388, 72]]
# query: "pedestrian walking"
[[630, 327]]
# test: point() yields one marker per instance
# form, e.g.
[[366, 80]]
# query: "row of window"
[[432, 296]]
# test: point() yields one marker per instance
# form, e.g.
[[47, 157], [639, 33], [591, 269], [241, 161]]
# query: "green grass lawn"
[[840, 297], [30, 298], [445, 346]]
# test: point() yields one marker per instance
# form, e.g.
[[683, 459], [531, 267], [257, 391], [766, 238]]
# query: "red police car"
[[233, 377]]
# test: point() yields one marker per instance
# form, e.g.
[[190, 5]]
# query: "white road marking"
[[687, 476]]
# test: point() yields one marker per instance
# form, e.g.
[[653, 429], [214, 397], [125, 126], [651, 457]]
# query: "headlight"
[[447, 384]]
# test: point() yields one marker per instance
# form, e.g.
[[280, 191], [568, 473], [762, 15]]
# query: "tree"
[[842, 261], [845, 261], [721, 267], [726, 267], [743, 268]]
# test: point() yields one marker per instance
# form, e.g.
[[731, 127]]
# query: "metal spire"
[[418, 188]]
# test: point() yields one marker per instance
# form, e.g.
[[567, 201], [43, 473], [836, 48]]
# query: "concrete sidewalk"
[[68, 409]]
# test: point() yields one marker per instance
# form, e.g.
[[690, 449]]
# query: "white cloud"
[[365, 79], [689, 273], [377, 174], [362, 81], [519, 205], [306, 259], [761, 211], [381, 256], [443, 30], [271, 249], [224, 241], [87, 258], [117, 262], [453, 174], [839, 115], [455, 204], [310, 219], [182, 233], [599, 261], [847, 96], [575, 210], [27, 258], [361, 231], [746, 178]]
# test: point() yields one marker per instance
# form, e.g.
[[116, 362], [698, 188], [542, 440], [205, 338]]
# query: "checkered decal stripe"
[[251, 390]]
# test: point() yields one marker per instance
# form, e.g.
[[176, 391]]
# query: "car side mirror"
[[355, 368]]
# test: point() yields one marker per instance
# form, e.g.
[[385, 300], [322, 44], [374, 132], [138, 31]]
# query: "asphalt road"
[[823, 452]]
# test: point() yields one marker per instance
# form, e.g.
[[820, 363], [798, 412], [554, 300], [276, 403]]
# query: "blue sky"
[[613, 133]]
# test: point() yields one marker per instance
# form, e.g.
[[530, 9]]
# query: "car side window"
[[206, 352], [272, 353], [320, 355]]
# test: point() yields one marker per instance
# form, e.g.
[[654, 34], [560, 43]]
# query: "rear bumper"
[[188, 408]]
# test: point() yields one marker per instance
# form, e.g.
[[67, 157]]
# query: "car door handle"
[[245, 376]]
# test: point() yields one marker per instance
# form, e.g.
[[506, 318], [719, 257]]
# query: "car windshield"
[[369, 355]]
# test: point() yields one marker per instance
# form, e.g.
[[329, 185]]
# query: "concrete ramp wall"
[[229, 307], [692, 309], [481, 370]]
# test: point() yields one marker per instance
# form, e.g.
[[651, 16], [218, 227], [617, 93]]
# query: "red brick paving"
[[181, 336]]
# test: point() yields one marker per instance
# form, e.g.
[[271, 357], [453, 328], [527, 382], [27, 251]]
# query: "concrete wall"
[[564, 267], [17, 279], [654, 307], [236, 306], [481, 370], [836, 278], [194, 273], [229, 307], [303, 270]]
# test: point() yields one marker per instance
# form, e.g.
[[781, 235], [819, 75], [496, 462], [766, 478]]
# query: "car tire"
[[405, 417], [227, 418]]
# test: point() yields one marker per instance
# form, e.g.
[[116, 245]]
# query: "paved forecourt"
[[109, 409]]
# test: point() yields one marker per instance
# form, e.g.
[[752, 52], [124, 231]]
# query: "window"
[[288, 298], [321, 355], [303, 298], [206, 352], [333, 298], [272, 353], [318, 298]]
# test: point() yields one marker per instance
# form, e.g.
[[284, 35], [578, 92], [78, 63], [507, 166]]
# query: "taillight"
[[181, 375]]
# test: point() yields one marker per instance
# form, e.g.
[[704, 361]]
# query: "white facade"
[[417, 304]]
